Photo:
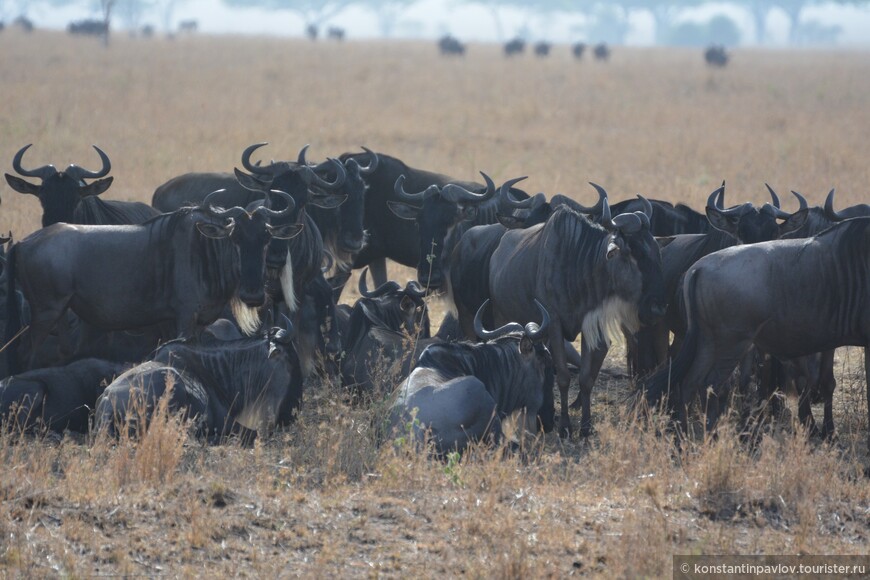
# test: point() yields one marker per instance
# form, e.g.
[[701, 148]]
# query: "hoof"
[[577, 404], [565, 432], [587, 431]]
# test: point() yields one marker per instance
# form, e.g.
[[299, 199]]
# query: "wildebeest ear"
[[250, 182], [469, 212], [326, 200], [285, 232], [613, 249], [214, 231], [21, 186], [664, 241], [794, 222], [96, 188], [526, 345], [721, 221], [403, 210], [510, 222]]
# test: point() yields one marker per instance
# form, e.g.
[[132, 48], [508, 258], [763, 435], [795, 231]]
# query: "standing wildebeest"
[[57, 398], [396, 238], [577, 49], [514, 46], [450, 45], [601, 51], [716, 55], [789, 298], [65, 197], [88, 27], [592, 280], [335, 33], [245, 386], [542, 48], [460, 392], [181, 268]]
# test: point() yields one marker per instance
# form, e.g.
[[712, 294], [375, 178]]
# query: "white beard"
[[246, 316], [606, 321], [287, 289]]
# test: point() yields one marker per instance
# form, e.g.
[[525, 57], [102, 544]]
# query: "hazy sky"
[[431, 18]]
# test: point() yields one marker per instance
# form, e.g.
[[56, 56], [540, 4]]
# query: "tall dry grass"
[[323, 498]]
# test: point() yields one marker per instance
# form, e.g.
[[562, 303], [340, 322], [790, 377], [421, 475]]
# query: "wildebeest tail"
[[13, 313], [667, 379]]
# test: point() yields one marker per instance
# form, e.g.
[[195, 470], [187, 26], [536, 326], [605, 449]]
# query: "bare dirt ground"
[[322, 498]]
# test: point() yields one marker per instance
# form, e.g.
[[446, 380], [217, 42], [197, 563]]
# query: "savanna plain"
[[322, 498]]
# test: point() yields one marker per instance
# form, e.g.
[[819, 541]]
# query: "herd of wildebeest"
[[221, 296]]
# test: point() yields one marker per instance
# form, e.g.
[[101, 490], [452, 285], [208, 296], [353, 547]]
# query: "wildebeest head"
[[352, 235], [860, 210], [395, 307], [250, 232], [533, 353], [441, 209], [751, 225], [60, 191], [634, 260]]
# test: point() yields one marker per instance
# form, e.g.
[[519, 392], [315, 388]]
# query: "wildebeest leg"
[[867, 384], [563, 377], [591, 361], [827, 385], [41, 324], [805, 387], [721, 369], [21, 403], [338, 281], [572, 356], [378, 269]]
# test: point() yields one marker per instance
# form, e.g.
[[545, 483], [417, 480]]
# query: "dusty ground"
[[322, 499]]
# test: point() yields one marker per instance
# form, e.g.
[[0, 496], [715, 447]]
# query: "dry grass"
[[322, 498]]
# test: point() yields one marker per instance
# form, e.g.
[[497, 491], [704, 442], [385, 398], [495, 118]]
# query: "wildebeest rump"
[[460, 392]]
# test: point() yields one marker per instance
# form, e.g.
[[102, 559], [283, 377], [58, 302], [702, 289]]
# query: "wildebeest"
[[246, 387], [715, 55], [398, 239], [789, 298], [24, 23], [400, 312], [460, 392], [450, 45], [311, 31], [88, 27], [65, 197], [514, 46], [180, 268], [189, 26], [577, 49], [542, 48], [58, 398], [335, 33], [592, 279], [601, 51]]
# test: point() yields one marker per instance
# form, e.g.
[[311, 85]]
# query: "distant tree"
[[130, 12], [312, 12], [720, 30], [387, 12]]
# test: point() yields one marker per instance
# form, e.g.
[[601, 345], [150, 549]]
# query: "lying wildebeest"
[[180, 268], [789, 298], [58, 398], [593, 279], [246, 387], [460, 392], [65, 197], [401, 313]]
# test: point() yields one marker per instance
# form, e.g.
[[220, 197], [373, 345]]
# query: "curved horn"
[[268, 211], [504, 193], [43, 172], [717, 198], [801, 200], [399, 189], [598, 208], [246, 159], [77, 172], [605, 219], [647, 206], [300, 159], [538, 331], [373, 161], [219, 212], [774, 198], [386, 287], [314, 178], [829, 209], [330, 261], [628, 223], [486, 335], [458, 194], [413, 289]]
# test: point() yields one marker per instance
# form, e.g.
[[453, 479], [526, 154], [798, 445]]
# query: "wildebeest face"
[[635, 266], [60, 191], [352, 236]]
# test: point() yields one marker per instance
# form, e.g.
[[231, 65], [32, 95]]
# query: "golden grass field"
[[321, 499]]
